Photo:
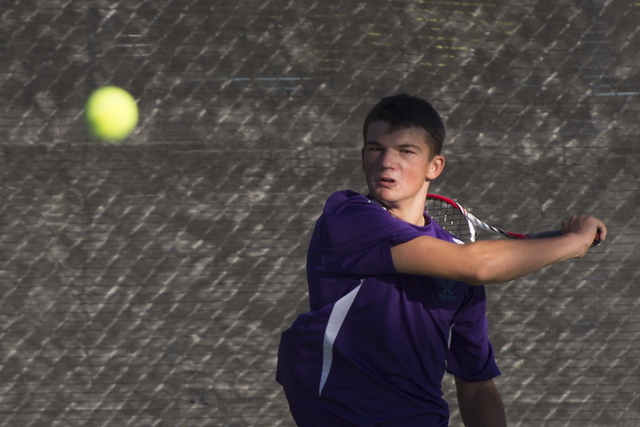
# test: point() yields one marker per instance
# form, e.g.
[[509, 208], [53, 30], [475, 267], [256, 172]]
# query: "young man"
[[395, 302]]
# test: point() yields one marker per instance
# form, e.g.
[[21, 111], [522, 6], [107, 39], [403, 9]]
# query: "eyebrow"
[[377, 144]]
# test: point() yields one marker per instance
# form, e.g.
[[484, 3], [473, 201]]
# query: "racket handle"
[[556, 233]]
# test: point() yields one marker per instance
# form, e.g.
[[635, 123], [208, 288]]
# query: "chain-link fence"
[[147, 283]]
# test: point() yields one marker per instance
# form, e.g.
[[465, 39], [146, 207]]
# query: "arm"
[[480, 404], [495, 261]]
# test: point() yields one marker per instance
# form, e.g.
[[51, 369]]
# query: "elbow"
[[481, 270], [482, 276]]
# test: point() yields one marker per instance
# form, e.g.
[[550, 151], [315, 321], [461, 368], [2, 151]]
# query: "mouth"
[[386, 182]]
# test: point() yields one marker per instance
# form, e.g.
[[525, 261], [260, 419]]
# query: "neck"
[[412, 218], [413, 215]]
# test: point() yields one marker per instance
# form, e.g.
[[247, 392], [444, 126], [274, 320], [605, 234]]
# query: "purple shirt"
[[374, 347]]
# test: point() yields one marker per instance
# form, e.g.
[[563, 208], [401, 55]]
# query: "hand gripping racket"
[[455, 219]]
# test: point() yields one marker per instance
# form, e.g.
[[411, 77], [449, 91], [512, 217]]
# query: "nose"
[[387, 159]]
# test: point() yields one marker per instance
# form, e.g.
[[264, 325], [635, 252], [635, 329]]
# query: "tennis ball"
[[111, 114]]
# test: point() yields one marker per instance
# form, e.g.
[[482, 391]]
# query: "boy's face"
[[397, 165]]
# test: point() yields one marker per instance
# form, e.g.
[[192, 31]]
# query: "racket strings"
[[449, 218]]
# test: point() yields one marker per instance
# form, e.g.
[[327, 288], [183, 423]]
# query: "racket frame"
[[475, 222]]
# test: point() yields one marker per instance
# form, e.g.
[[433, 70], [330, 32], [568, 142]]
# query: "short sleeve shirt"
[[375, 345]]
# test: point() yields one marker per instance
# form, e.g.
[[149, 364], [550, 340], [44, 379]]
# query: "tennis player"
[[395, 300]]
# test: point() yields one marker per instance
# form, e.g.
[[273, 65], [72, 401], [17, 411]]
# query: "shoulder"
[[349, 218], [354, 210], [345, 199]]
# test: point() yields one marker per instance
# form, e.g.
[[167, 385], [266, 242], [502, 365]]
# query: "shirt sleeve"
[[470, 355], [356, 237]]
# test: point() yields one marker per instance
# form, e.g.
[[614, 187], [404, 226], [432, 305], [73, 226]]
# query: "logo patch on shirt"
[[446, 294]]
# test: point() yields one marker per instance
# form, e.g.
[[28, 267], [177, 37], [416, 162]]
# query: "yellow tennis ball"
[[111, 114]]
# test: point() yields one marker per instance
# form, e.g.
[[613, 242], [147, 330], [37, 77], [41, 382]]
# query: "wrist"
[[578, 242]]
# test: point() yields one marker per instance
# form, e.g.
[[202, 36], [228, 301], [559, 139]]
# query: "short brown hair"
[[403, 111]]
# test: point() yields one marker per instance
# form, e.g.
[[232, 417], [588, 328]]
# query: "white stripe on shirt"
[[338, 314]]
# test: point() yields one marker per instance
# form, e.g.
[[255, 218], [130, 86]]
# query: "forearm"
[[480, 404], [496, 261], [484, 262]]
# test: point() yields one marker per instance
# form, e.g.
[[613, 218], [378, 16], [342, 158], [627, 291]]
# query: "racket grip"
[[556, 233]]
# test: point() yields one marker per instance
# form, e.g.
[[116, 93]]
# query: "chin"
[[385, 199]]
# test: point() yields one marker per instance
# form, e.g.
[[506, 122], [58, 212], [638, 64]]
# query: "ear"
[[362, 155], [436, 165]]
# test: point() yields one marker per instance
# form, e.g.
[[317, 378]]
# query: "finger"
[[602, 230]]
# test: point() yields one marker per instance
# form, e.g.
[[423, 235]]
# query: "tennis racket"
[[455, 219]]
